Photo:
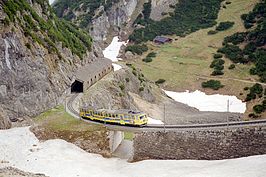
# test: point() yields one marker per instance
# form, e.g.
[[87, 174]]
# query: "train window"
[[141, 117]]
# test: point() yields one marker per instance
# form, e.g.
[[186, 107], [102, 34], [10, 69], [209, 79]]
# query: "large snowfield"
[[203, 102], [58, 158]]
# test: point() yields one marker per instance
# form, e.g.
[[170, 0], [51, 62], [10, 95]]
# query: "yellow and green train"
[[122, 117]]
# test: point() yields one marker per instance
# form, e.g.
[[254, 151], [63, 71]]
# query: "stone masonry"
[[200, 144]]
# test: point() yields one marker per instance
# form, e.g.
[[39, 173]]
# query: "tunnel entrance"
[[77, 87]]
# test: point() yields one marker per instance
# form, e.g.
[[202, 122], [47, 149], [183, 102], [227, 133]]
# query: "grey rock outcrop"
[[160, 8], [117, 17]]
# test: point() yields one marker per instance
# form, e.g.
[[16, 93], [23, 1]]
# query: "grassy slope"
[[57, 119], [185, 63]]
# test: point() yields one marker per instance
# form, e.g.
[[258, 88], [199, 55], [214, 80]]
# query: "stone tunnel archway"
[[77, 87]]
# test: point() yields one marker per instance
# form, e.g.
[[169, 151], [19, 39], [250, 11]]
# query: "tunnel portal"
[[77, 87]]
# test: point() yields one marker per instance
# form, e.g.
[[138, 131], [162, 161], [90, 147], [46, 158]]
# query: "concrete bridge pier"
[[115, 139]]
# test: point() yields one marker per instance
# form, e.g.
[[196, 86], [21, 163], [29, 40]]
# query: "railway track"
[[159, 127]]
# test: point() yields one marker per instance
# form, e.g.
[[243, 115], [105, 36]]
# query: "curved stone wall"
[[200, 144]]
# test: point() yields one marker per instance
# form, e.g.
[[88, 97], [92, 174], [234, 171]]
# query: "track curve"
[[159, 127]]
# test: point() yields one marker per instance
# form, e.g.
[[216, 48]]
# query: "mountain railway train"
[[122, 117]]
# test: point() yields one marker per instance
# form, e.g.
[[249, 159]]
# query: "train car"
[[122, 117]]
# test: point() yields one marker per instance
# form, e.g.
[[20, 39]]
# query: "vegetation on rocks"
[[137, 49], [46, 32], [254, 91], [213, 84], [217, 64], [181, 22], [254, 41], [160, 81], [149, 57], [224, 26], [65, 9]]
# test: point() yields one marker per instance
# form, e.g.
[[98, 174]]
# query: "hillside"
[[102, 18], [185, 63], [39, 54]]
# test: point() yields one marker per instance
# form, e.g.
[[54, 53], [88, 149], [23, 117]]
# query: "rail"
[[172, 127]]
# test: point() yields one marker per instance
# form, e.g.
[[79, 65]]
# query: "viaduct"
[[201, 142]]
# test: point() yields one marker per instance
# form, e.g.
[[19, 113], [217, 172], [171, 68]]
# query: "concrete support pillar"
[[115, 139]]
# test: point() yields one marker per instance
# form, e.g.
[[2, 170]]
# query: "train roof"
[[120, 111]]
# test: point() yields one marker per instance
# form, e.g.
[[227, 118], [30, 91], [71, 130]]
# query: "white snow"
[[205, 102], [116, 67], [154, 121], [112, 51], [7, 54], [57, 158], [51, 1]]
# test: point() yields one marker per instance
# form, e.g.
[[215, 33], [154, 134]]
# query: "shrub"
[[233, 52], [232, 66], [236, 38], [252, 115], [147, 59], [250, 96], [216, 62], [217, 72], [219, 67], [256, 89], [147, 9], [217, 55], [141, 89], [28, 45], [137, 49], [213, 84], [224, 26], [212, 32], [258, 109], [246, 88], [160, 81], [152, 54], [122, 86], [6, 21], [134, 72], [127, 79]]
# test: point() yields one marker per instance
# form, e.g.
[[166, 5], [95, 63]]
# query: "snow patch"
[[203, 102], [154, 121], [116, 67], [51, 2], [112, 51], [7, 54], [57, 158]]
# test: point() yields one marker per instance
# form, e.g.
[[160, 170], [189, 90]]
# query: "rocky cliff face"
[[113, 20], [33, 75], [101, 18]]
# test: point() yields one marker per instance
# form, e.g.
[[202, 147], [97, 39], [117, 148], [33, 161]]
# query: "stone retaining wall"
[[200, 144]]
